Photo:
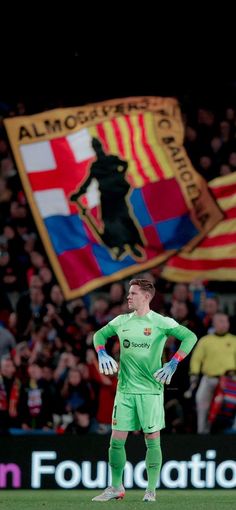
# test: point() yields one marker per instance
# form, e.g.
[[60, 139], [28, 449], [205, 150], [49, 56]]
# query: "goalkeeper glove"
[[164, 374], [107, 365]]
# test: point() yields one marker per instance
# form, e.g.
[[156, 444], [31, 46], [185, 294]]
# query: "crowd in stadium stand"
[[49, 377]]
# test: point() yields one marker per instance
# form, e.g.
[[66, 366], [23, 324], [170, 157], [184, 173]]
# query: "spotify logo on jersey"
[[126, 343]]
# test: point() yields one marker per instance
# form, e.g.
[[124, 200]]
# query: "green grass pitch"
[[76, 500]]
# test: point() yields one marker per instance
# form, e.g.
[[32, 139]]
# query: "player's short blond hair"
[[144, 284]]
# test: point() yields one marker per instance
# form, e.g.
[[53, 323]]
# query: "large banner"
[[73, 462], [215, 257], [111, 188]]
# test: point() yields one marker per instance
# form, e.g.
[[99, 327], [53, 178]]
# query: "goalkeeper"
[[139, 398]]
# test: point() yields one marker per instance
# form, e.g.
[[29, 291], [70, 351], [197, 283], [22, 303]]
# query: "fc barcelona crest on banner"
[[111, 188], [147, 331]]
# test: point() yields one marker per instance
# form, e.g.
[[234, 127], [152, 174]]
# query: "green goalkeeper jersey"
[[142, 340]]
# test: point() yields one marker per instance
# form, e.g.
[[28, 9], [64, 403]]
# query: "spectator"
[[210, 308], [7, 342], [35, 404], [223, 407], [182, 294], [74, 391], [100, 310], [30, 308], [9, 394], [81, 421], [213, 356], [58, 302], [107, 389]]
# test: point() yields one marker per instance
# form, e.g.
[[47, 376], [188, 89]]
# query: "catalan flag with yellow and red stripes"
[[111, 188], [215, 257]]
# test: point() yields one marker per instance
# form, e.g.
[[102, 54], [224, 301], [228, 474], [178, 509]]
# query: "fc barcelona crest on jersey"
[[147, 331]]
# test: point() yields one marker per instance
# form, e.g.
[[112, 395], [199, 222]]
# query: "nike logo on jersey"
[[151, 427], [123, 330]]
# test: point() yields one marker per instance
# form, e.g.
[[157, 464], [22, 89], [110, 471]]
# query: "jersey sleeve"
[[184, 335], [101, 336]]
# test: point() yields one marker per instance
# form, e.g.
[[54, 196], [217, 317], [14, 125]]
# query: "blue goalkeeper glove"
[[164, 374], [107, 365]]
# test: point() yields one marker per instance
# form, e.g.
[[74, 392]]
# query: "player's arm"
[[197, 357], [188, 340], [196, 367], [107, 365]]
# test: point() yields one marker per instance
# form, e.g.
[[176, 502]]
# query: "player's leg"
[[153, 461], [123, 420], [117, 460], [117, 456], [151, 415]]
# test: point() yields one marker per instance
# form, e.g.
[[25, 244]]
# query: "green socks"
[[117, 460], [153, 461]]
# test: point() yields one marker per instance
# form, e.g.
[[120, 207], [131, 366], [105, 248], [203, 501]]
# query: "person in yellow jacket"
[[213, 355]]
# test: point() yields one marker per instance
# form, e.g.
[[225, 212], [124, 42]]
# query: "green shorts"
[[135, 412]]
